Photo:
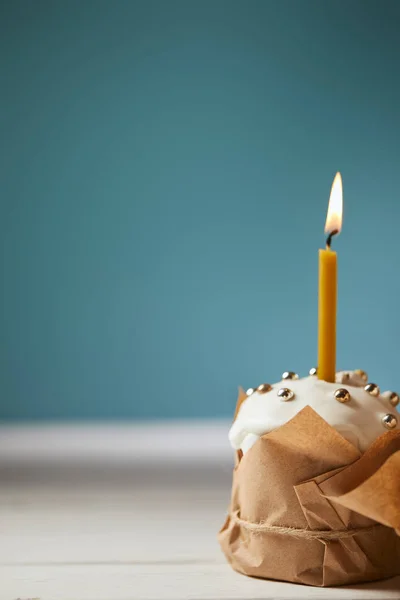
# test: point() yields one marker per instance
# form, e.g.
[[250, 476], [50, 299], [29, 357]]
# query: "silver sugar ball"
[[250, 391], [289, 375], [313, 371], [393, 397], [361, 374], [342, 395], [285, 394], [264, 388], [372, 389], [389, 421]]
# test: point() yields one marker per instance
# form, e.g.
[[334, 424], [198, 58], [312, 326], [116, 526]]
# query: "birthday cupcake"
[[316, 485]]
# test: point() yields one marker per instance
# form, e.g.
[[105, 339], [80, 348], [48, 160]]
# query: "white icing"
[[358, 421]]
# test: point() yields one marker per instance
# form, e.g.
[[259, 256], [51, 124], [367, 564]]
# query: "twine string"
[[308, 534]]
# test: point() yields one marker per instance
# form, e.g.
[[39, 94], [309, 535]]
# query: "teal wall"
[[165, 171]]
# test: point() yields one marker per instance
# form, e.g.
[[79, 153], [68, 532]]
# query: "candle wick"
[[329, 238]]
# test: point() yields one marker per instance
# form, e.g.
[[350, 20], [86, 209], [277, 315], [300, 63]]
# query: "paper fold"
[[306, 476]]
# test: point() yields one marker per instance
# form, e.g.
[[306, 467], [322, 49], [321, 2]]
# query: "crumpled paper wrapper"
[[308, 507]]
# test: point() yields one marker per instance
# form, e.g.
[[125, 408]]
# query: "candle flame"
[[335, 208]]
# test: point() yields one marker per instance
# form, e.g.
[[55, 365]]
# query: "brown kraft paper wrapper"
[[308, 507]]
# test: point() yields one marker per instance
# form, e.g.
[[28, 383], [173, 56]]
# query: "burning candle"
[[327, 288]]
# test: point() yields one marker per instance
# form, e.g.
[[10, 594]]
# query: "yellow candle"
[[327, 287], [327, 296]]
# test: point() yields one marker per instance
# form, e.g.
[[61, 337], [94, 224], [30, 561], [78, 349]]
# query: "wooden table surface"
[[123, 513]]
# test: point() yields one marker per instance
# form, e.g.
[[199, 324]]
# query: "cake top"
[[355, 408]]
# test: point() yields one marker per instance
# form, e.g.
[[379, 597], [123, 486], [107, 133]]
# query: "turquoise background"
[[165, 171]]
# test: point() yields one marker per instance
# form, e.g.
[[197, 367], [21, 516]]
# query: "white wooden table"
[[125, 512]]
